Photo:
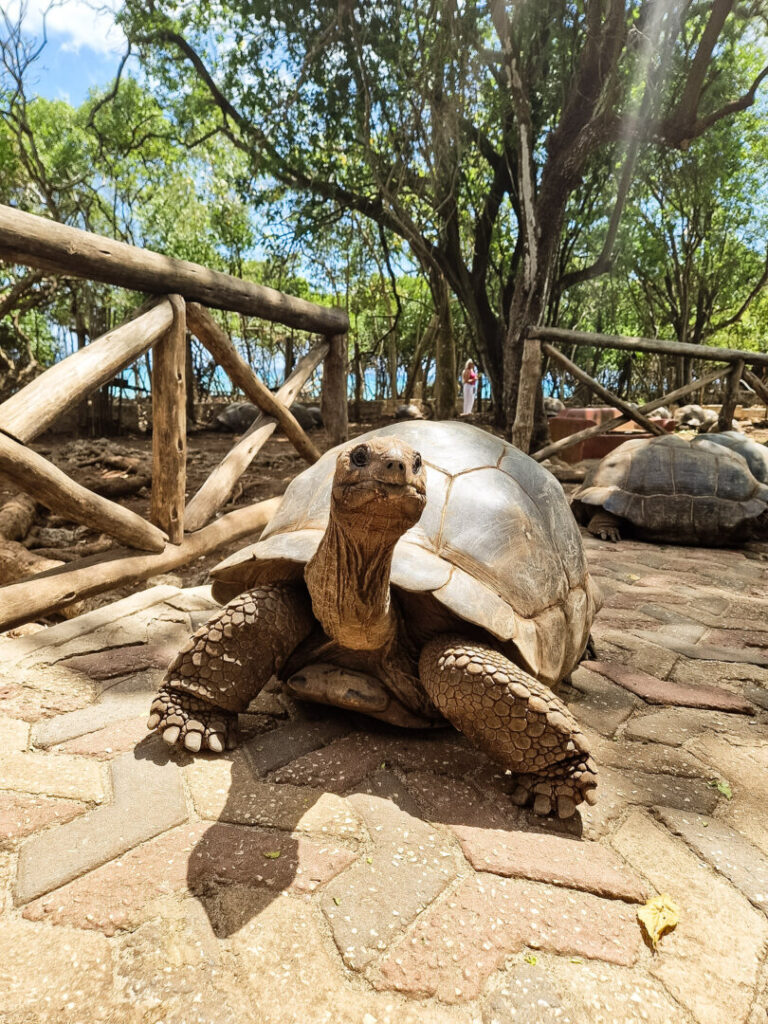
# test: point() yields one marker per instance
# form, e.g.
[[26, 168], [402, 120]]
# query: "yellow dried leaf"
[[657, 916]]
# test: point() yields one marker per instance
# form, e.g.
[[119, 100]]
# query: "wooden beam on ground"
[[54, 489], [530, 382], [608, 425], [731, 397], [39, 242], [30, 411], [169, 426], [208, 332], [334, 399], [604, 393], [219, 485], [669, 348], [52, 590]]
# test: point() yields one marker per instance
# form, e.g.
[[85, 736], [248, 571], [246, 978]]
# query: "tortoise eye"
[[417, 463], [359, 456]]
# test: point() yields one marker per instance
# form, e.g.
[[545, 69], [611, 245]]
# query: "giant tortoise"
[[417, 586], [755, 454], [668, 489]]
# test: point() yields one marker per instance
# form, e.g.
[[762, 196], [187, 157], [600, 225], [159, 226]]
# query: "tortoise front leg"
[[226, 662], [605, 526], [514, 719]]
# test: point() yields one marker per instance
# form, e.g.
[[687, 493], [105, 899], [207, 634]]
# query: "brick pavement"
[[341, 871]]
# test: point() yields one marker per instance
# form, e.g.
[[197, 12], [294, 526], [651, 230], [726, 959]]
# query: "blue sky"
[[83, 49]]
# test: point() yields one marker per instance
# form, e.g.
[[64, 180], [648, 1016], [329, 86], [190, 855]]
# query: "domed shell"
[[496, 543], [755, 454], [678, 490]]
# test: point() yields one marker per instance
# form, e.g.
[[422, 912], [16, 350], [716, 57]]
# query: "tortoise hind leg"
[[225, 664], [514, 719]]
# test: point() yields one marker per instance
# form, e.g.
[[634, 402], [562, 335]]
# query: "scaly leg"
[[514, 719], [605, 526], [226, 662]]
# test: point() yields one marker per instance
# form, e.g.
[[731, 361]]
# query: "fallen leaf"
[[530, 959], [658, 916], [722, 787], [272, 854]]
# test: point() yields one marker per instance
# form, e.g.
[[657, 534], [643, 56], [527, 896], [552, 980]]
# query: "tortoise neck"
[[348, 582]]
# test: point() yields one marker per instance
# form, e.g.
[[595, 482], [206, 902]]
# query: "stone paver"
[[719, 932], [352, 873], [725, 849], [408, 866], [619, 789], [62, 775], [525, 995], [662, 691], [14, 734], [554, 859], [293, 978], [108, 742], [172, 969], [63, 976], [598, 993], [456, 946], [193, 857], [674, 726], [746, 770], [88, 719], [118, 661], [598, 703], [226, 790], [21, 814], [148, 799]]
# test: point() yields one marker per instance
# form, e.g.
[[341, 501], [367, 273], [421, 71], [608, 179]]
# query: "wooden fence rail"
[[160, 325]]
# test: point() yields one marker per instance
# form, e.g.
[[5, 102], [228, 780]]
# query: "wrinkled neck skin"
[[348, 582]]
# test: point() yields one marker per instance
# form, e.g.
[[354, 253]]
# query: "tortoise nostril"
[[392, 464]]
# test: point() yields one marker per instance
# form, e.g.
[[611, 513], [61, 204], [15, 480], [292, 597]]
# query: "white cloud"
[[73, 24]]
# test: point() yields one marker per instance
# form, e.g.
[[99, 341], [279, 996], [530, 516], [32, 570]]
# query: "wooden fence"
[[538, 344], [178, 531]]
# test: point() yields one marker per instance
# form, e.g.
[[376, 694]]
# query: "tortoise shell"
[[755, 454], [692, 492], [496, 544]]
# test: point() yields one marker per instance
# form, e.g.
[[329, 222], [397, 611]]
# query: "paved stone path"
[[336, 870]]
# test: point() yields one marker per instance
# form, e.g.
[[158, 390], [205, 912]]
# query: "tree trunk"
[[445, 351]]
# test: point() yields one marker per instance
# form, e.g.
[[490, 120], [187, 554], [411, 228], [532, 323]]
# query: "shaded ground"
[[333, 870]]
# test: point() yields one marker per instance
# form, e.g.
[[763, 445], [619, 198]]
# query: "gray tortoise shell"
[[676, 489], [496, 543], [755, 454]]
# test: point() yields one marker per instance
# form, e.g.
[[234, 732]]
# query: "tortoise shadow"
[[254, 842]]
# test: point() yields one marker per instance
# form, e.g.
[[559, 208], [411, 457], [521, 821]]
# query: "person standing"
[[469, 380]]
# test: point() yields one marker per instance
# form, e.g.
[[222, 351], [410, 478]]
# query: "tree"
[[465, 129]]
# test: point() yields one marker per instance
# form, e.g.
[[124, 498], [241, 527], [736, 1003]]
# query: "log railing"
[[177, 531], [538, 342]]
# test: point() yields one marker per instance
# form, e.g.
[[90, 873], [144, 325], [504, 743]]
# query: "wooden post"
[[530, 381], [52, 488], [30, 411], [16, 517], [731, 397], [604, 428], [334, 400], [592, 384], [218, 487], [202, 324], [38, 242], [169, 426], [761, 390], [49, 591]]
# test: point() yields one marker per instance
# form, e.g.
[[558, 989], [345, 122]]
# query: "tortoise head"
[[380, 484]]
